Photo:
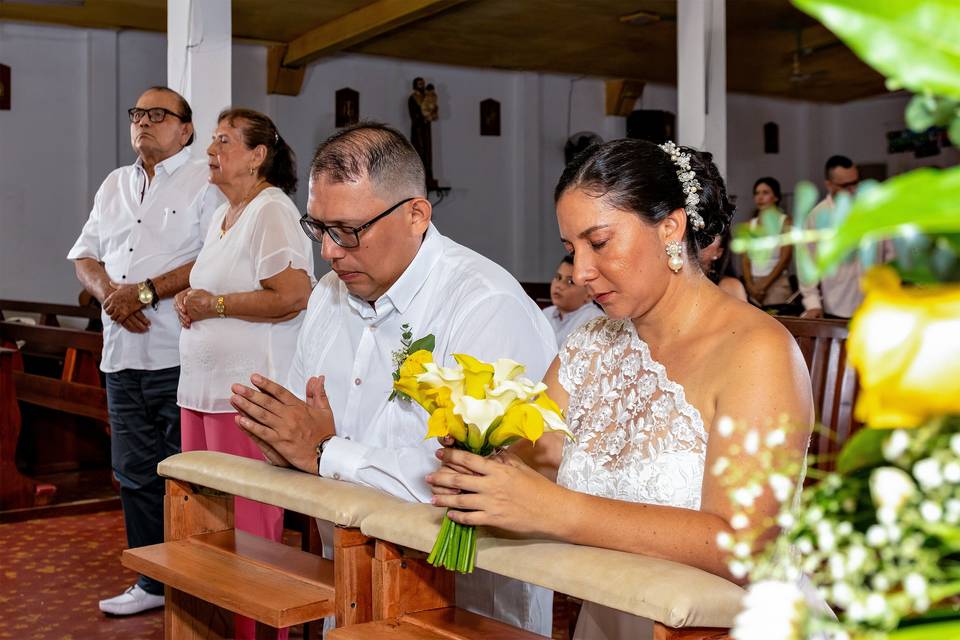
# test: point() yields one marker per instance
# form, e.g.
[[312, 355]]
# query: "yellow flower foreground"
[[905, 345]]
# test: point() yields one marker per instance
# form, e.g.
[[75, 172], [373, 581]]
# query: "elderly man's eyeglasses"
[[346, 237], [155, 114]]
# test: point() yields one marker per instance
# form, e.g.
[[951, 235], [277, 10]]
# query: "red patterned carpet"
[[55, 570]]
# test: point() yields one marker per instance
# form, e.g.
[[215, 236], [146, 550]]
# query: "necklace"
[[238, 208]]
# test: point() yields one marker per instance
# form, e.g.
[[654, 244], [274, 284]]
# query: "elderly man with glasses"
[[392, 272], [134, 254]]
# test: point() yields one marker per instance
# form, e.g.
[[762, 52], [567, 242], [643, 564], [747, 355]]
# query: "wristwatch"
[[147, 293], [320, 447]]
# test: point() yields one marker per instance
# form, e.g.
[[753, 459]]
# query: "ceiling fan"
[[797, 76]]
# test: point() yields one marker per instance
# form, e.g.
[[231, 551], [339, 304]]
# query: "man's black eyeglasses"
[[156, 114], [346, 237]]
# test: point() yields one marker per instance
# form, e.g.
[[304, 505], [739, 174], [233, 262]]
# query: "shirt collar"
[[171, 164], [401, 294]]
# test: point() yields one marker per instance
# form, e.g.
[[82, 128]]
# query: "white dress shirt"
[[566, 323], [839, 294], [217, 352], [471, 305], [139, 229]]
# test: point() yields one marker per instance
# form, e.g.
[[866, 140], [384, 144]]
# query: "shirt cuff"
[[811, 298], [342, 458]]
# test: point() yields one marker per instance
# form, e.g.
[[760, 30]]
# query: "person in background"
[[768, 282], [572, 304], [715, 263], [248, 289], [134, 254], [838, 295]]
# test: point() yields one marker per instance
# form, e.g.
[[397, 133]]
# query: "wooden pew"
[[48, 312], [77, 391], [823, 344], [539, 292], [382, 586]]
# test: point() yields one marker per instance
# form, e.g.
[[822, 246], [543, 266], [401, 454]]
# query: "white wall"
[[68, 129]]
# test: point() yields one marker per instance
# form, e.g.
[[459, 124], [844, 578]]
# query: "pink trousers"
[[218, 432]]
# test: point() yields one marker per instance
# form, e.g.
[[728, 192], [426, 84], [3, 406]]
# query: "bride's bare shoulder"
[[750, 336]]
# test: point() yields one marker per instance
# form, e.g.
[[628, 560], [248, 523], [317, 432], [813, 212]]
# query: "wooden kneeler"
[[210, 569], [412, 599]]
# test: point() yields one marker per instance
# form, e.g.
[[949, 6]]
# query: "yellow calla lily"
[[443, 422], [413, 365], [439, 396], [520, 421], [413, 389], [905, 345], [477, 375], [545, 401]]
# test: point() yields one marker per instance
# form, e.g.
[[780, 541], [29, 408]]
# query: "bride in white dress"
[[643, 388]]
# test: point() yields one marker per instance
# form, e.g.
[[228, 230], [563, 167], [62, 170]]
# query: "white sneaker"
[[133, 600]]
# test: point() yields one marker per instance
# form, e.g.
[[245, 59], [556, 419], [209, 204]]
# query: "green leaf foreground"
[[916, 45], [862, 451], [936, 631]]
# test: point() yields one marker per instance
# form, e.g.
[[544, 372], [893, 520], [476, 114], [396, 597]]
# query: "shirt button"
[[123, 277], [131, 249], [336, 476], [357, 381], [138, 221]]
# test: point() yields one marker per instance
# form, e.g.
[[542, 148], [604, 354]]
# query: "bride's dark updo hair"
[[639, 177]]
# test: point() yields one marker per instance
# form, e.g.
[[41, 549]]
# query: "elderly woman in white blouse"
[[248, 290]]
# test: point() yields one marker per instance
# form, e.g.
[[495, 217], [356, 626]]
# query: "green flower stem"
[[455, 548], [441, 542]]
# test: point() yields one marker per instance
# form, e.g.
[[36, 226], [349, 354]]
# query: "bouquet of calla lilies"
[[483, 407]]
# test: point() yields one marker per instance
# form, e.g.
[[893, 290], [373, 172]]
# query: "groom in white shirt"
[[392, 269]]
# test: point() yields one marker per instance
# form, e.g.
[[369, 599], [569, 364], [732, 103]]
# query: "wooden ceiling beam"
[[102, 15], [359, 26]]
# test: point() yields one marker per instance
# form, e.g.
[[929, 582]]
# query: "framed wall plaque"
[[5, 100], [347, 108], [489, 117]]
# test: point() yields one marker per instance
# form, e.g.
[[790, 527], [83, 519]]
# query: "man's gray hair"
[[375, 151]]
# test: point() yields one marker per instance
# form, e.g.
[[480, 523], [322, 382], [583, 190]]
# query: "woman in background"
[[248, 289], [768, 282]]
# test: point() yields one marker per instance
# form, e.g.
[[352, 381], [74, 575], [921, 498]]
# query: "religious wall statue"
[[422, 105]]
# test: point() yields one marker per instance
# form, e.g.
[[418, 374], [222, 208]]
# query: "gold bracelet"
[[221, 311]]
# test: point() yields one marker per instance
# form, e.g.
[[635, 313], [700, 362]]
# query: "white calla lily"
[[510, 390], [479, 413], [436, 376], [506, 369], [554, 422]]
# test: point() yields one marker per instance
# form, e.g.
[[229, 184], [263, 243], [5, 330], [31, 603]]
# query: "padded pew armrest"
[[668, 592], [341, 503]]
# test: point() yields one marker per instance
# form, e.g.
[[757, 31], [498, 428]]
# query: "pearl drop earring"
[[674, 249]]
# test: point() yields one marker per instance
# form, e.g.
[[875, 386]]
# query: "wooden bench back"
[[539, 292], [823, 344], [48, 312]]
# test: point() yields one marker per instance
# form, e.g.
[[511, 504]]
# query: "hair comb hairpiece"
[[688, 181]]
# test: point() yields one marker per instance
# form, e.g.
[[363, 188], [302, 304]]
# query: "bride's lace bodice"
[[636, 436]]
